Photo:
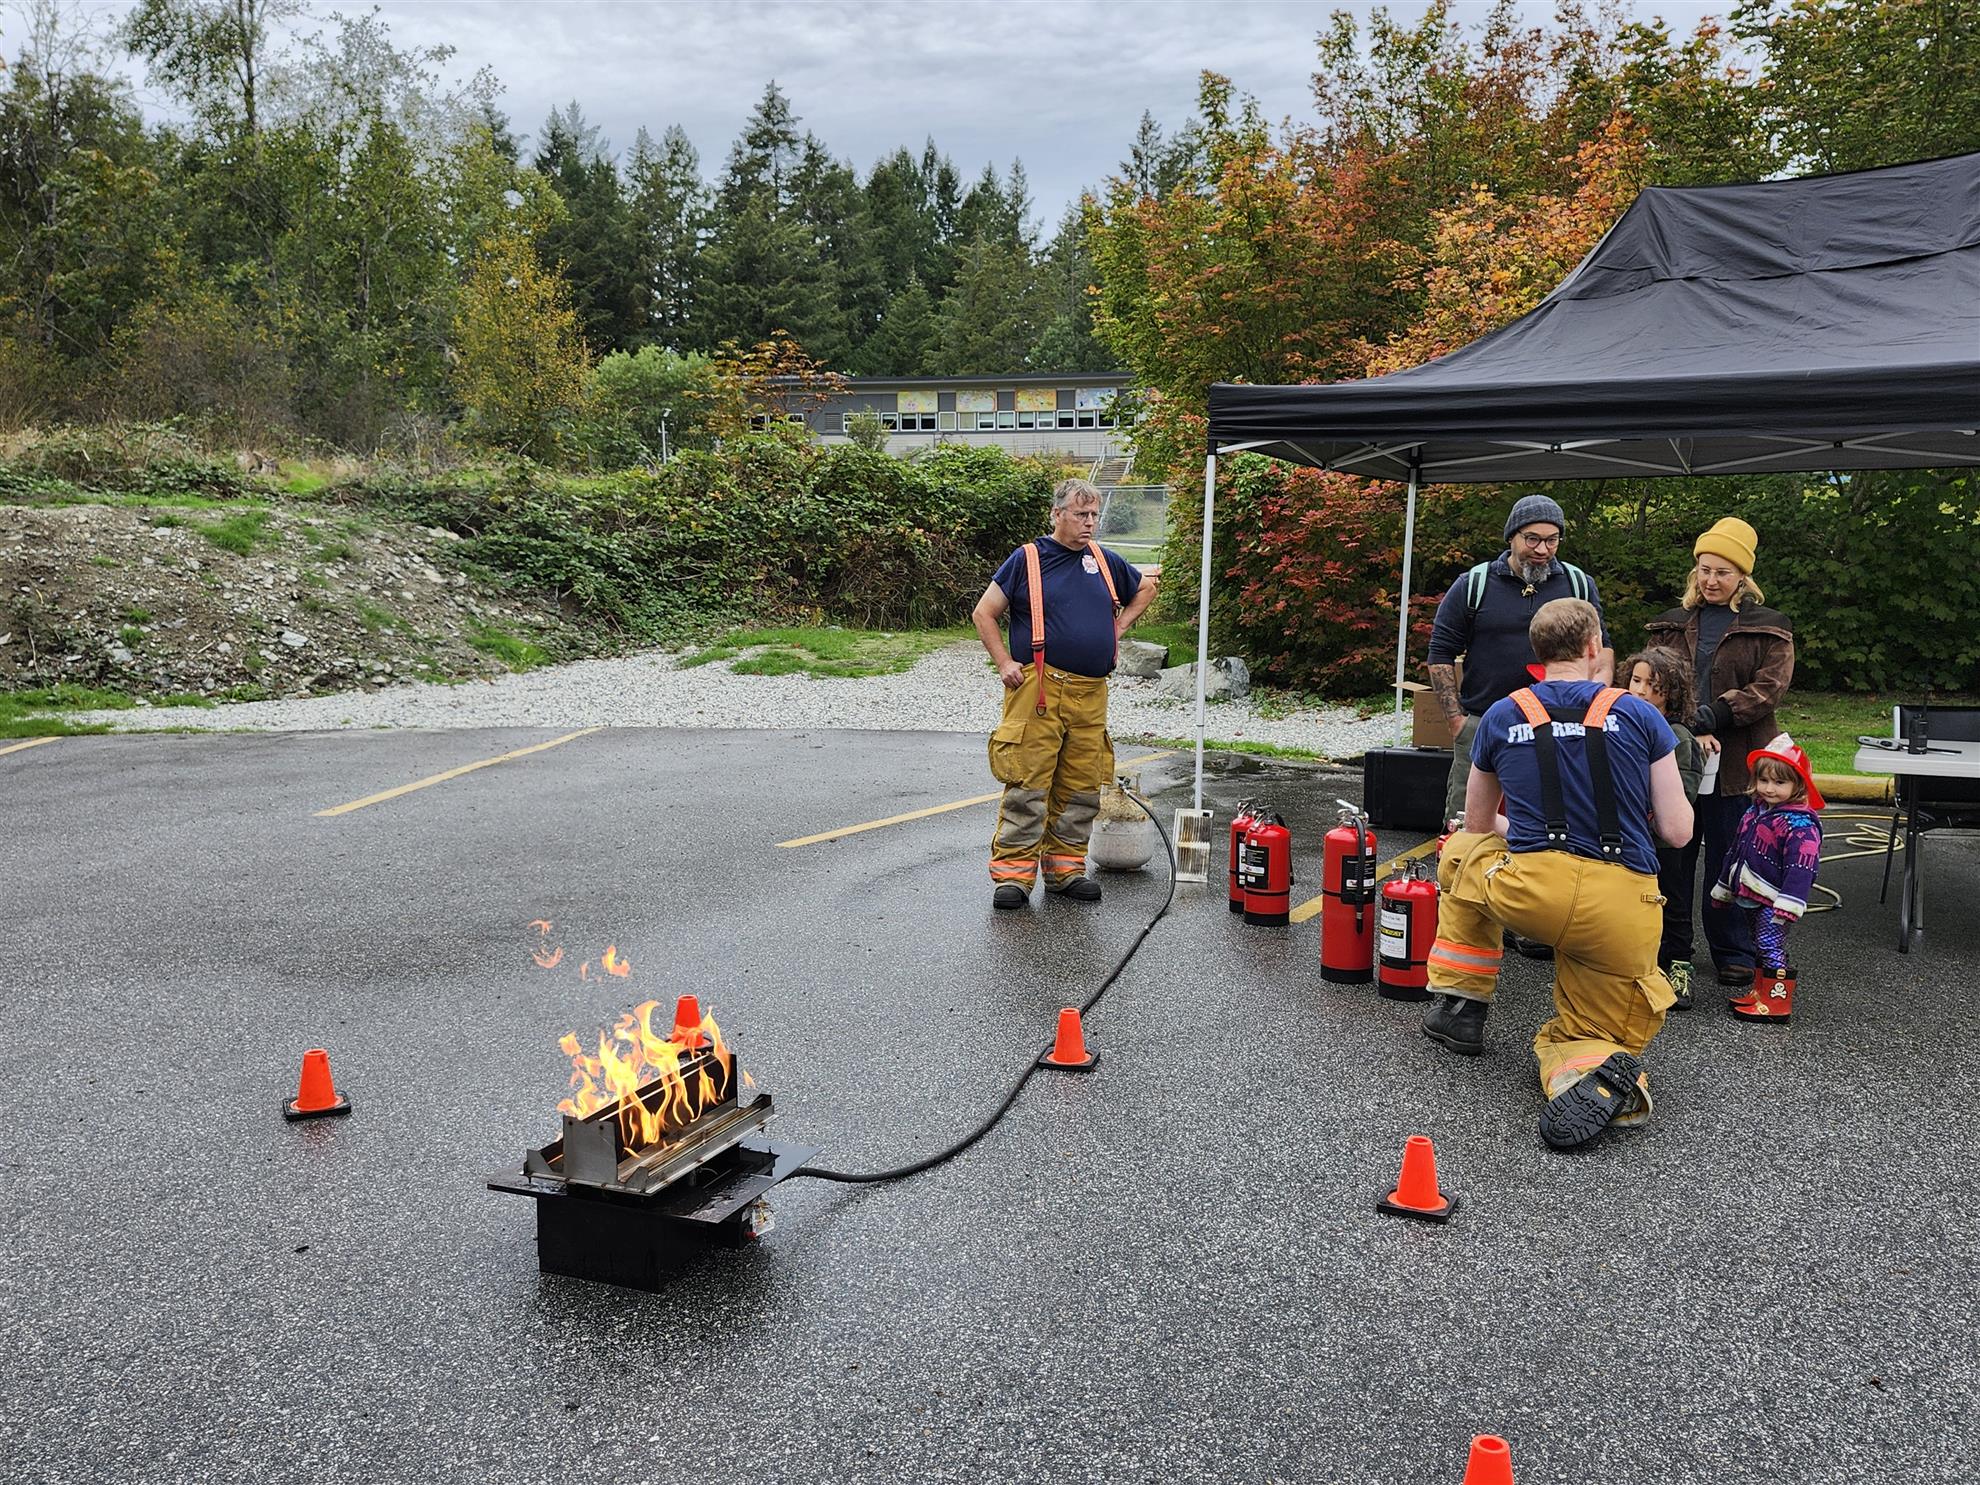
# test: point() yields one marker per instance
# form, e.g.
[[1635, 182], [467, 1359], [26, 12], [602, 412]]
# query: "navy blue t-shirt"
[[1637, 737], [1079, 616]]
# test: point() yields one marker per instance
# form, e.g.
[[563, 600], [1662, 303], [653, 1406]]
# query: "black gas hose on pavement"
[[867, 1178]]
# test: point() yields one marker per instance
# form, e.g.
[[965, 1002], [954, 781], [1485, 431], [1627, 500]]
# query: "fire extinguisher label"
[[1395, 934], [1251, 866]]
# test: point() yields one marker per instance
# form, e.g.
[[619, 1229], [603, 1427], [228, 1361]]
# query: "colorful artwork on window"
[[976, 402], [1037, 399], [916, 402], [1094, 398]]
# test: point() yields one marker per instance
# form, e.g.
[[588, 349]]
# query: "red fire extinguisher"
[[1407, 927], [1347, 909], [1240, 823], [1267, 871]]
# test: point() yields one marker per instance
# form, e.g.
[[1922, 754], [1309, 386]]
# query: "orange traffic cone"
[[1069, 1048], [316, 1096], [1490, 1462], [1417, 1193], [687, 1022]]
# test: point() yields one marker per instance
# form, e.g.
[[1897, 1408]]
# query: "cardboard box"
[[1428, 728]]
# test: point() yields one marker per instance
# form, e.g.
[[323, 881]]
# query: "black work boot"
[[1458, 1023], [1010, 895], [1078, 889], [1583, 1110]]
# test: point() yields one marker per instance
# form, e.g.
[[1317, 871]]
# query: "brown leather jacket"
[[1750, 674]]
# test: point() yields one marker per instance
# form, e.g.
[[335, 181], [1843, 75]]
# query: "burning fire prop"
[[663, 1152], [634, 1055]]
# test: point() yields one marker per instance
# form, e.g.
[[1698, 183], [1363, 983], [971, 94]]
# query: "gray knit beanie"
[[1529, 510]]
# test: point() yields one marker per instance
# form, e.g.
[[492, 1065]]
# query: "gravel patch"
[[951, 690]]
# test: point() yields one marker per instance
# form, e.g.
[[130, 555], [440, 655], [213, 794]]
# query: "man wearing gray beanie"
[[1484, 618]]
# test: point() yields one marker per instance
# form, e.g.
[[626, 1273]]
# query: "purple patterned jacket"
[[1773, 859]]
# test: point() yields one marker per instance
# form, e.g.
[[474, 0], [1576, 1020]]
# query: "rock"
[[1140, 658], [1228, 679], [120, 656], [294, 640]]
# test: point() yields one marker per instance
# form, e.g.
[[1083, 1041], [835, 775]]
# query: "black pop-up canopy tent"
[[1831, 322]]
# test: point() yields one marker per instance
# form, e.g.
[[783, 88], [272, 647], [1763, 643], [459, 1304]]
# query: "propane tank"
[[1267, 871], [1347, 910], [1407, 928], [1239, 825]]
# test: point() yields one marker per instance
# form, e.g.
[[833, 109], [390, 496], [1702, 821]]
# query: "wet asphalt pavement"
[[1167, 1270]]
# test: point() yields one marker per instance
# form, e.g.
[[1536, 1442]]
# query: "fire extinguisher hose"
[[899, 1172]]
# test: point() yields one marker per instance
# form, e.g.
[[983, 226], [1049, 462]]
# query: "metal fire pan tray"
[[587, 1158]]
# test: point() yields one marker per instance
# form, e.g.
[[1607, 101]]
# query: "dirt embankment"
[[266, 602]]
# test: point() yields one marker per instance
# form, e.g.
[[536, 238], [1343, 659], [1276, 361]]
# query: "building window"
[[1007, 419], [1088, 418], [1066, 418], [1026, 420], [986, 422], [947, 422]]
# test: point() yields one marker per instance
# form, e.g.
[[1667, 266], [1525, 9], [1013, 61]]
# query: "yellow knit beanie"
[[1732, 539]]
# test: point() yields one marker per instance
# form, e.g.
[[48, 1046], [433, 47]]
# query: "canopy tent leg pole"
[[1203, 615], [1402, 618]]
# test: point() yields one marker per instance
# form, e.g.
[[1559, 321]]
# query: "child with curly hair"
[[1663, 678], [1771, 868]]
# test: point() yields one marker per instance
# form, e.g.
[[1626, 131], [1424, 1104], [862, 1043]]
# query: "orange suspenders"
[[1607, 826], [1037, 586]]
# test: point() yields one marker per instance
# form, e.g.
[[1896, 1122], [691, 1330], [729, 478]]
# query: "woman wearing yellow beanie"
[[1743, 659]]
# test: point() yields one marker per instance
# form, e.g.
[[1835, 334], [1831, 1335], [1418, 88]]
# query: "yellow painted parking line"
[[452, 773], [33, 742], [1312, 905], [936, 809]]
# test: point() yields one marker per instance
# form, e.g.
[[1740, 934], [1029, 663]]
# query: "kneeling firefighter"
[[1069, 600], [1582, 773]]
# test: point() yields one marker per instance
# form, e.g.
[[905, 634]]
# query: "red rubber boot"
[[1772, 996]]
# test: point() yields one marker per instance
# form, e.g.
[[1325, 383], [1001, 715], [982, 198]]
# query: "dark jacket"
[[1750, 674], [1492, 638]]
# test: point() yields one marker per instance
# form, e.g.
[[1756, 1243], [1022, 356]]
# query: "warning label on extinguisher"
[[1395, 935], [1251, 866]]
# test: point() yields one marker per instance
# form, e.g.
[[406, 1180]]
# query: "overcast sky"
[[1060, 84]]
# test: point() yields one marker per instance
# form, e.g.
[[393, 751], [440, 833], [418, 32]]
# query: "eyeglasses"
[[1718, 574], [1529, 539]]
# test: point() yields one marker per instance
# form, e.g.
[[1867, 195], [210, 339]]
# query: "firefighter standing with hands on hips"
[[1068, 600], [1583, 773]]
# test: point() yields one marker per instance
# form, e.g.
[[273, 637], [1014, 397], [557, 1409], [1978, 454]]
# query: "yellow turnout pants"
[[1052, 768], [1603, 920]]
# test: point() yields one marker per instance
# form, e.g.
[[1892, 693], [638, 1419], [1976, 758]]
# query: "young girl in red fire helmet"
[[1770, 870]]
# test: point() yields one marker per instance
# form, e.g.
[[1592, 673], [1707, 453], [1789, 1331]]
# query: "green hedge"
[[1879, 571], [764, 528]]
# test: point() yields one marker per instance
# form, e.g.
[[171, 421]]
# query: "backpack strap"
[[1036, 583], [1577, 582], [1474, 585]]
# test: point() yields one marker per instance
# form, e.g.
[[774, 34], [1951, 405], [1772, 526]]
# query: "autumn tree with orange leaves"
[[1448, 186]]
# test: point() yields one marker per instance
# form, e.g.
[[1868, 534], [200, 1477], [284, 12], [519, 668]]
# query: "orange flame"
[[633, 1054], [614, 965], [545, 956]]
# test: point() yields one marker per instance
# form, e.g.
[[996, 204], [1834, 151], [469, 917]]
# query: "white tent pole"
[[1402, 618], [1203, 614]]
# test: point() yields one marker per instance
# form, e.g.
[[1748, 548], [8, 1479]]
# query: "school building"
[[1077, 413]]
